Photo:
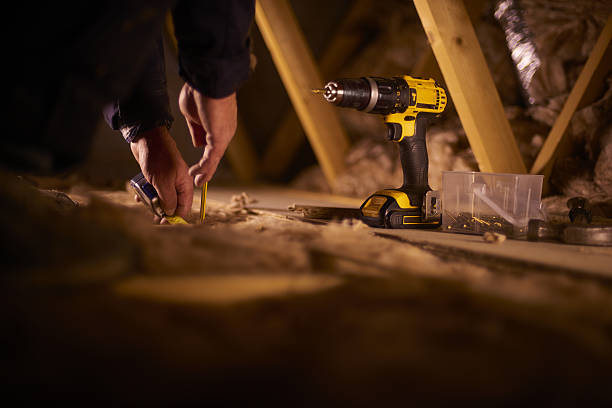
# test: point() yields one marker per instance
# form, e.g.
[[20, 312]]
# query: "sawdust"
[[263, 297], [239, 202], [493, 237]]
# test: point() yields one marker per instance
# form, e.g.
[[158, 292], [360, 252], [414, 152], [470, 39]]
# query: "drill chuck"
[[370, 94]]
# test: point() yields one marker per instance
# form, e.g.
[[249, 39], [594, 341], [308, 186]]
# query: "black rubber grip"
[[413, 155]]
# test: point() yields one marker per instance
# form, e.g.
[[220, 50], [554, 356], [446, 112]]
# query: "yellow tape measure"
[[175, 219], [203, 202]]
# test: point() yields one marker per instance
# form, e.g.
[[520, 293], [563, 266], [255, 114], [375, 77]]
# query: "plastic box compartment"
[[474, 203]]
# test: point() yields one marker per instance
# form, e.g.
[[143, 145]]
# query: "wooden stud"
[[589, 86], [289, 135], [469, 82], [295, 64]]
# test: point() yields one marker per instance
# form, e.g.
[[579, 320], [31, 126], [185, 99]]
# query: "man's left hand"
[[164, 167], [212, 124]]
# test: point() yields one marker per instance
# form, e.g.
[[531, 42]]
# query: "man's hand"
[[164, 167], [212, 124]]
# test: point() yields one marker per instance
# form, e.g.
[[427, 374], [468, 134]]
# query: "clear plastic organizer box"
[[474, 203]]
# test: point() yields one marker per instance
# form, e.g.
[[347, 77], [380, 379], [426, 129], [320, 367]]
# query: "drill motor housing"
[[408, 104]]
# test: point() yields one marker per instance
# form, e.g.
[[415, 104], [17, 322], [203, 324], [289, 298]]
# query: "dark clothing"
[[147, 106], [214, 45], [214, 53], [72, 59]]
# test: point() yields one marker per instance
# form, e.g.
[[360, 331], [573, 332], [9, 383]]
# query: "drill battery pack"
[[394, 208]]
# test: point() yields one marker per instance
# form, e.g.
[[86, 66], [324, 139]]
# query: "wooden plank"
[[427, 66], [469, 82], [589, 86], [579, 259], [289, 135], [295, 64], [314, 212]]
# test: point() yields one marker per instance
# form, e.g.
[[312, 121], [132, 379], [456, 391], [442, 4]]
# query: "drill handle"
[[413, 154]]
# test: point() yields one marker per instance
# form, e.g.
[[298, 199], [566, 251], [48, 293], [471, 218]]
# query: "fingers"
[[212, 123], [167, 195], [203, 170], [200, 179]]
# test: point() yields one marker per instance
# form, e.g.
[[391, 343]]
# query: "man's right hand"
[[164, 167]]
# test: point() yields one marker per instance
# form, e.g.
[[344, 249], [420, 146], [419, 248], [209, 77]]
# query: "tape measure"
[[149, 197]]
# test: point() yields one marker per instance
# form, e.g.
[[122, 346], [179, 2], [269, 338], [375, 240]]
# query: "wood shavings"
[[355, 224], [493, 237], [238, 206], [239, 202]]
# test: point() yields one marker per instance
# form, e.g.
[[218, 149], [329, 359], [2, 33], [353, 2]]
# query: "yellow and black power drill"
[[408, 105]]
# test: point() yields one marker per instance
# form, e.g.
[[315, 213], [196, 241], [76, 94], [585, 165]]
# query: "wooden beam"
[[295, 64], [427, 66], [589, 86], [469, 82], [289, 135]]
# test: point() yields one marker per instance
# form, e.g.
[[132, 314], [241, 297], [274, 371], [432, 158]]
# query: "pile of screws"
[[470, 224]]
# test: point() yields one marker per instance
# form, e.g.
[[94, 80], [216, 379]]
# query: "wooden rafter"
[[295, 64], [289, 135], [426, 65], [589, 86], [470, 84]]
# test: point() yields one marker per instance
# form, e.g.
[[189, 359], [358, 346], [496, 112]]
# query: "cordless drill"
[[408, 105]]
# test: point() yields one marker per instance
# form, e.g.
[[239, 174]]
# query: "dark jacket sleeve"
[[214, 44], [148, 104]]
